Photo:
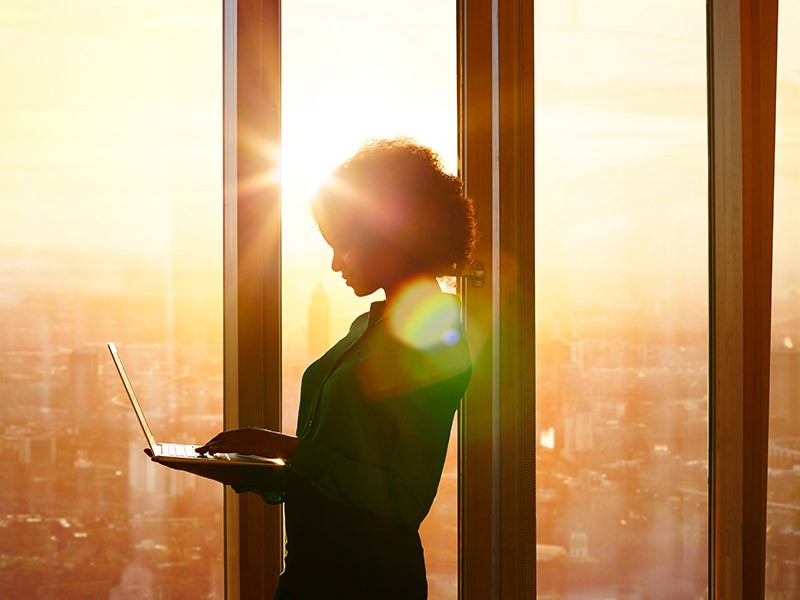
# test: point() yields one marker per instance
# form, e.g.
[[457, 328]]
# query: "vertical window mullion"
[[476, 537], [514, 309], [254, 536], [497, 420], [742, 86]]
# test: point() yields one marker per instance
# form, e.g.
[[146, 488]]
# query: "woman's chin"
[[361, 291]]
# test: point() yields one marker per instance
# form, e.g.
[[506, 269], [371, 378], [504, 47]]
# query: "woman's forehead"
[[336, 225]]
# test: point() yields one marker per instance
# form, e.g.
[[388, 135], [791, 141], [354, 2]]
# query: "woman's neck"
[[420, 284]]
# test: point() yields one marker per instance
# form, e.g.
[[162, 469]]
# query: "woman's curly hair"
[[395, 191]]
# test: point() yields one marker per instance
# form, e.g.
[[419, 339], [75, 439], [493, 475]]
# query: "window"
[[111, 179], [355, 71], [497, 158], [621, 299]]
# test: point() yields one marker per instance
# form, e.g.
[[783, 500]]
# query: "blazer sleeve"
[[269, 484]]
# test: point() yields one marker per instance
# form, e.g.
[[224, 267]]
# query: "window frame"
[[498, 479], [497, 473]]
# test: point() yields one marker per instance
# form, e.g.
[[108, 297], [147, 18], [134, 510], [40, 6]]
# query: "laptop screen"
[[132, 395]]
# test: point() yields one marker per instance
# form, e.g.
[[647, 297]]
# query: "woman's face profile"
[[365, 265]]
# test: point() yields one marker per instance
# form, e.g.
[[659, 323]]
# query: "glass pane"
[[111, 212], [357, 70], [783, 488], [622, 366]]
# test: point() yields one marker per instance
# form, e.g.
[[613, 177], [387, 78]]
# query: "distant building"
[[38, 449], [319, 322], [28, 447], [784, 409], [578, 434], [579, 547], [146, 478], [84, 389]]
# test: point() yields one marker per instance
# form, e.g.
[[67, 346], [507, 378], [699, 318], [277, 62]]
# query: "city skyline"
[[661, 423]]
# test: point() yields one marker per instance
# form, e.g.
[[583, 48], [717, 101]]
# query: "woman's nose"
[[336, 263]]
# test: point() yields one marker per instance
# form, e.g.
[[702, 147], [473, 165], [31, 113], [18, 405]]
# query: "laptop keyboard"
[[179, 450]]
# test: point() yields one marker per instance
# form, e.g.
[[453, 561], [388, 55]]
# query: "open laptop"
[[181, 454]]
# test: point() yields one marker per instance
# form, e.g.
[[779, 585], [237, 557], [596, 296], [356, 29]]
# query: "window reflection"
[[622, 367], [111, 207]]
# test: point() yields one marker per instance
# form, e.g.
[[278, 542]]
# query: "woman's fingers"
[[244, 441], [219, 438], [213, 443]]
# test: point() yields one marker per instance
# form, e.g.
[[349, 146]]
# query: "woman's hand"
[[223, 472], [252, 440]]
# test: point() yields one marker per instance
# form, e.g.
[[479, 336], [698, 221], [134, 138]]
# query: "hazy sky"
[[110, 121], [109, 116]]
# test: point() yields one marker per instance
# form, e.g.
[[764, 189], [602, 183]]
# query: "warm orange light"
[[548, 438], [271, 173]]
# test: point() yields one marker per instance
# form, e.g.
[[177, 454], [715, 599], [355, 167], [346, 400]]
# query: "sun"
[[305, 167]]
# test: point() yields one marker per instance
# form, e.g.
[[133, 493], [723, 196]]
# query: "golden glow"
[[99, 107], [548, 438], [422, 319], [271, 174], [337, 95]]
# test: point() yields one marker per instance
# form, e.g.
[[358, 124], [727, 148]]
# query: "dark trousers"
[[338, 551]]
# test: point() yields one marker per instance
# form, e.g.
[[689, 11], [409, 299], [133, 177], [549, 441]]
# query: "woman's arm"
[[402, 490]]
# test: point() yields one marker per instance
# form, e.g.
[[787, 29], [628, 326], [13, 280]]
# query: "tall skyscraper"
[[38, 449], [146, 478], [319, 322], [84, 388]]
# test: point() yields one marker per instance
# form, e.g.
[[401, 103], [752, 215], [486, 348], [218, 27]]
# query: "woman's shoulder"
[[422, 338]]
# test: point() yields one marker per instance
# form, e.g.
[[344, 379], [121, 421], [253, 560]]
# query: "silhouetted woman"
[[376, 409]]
